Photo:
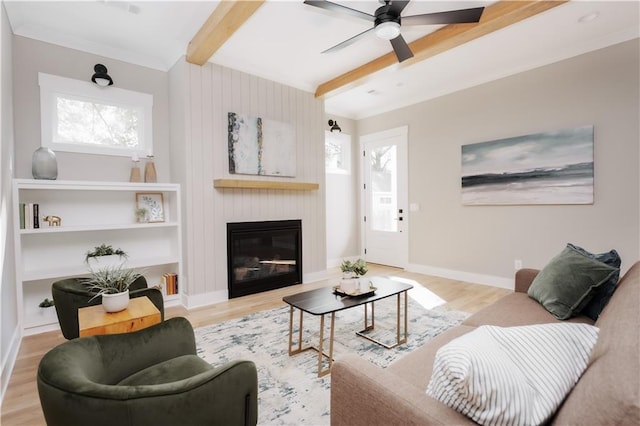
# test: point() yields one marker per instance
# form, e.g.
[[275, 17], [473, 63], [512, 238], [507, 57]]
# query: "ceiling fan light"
[[388, 30]]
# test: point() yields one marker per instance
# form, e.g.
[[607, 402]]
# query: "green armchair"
[[71, 294], [149, 377]]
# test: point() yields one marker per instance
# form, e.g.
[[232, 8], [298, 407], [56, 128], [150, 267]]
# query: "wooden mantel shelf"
[[264, 184]]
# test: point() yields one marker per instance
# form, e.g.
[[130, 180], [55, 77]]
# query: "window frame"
[[52, 86], [345, 154]]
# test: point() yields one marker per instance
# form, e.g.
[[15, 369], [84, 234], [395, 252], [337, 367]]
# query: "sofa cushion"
[[609, 391], [516, 309], [514, 375], [603, 293], [567, 283], [172, 370]]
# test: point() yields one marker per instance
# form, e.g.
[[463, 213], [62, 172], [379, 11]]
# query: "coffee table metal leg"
[[293, 350], [399, 323], [368, 326], [321, 354]]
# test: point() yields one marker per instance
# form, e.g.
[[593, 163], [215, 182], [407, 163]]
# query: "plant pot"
[[102, 262], [350, 285], [115, 302]]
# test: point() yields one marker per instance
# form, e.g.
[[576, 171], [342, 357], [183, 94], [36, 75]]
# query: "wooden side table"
[[140, 313]]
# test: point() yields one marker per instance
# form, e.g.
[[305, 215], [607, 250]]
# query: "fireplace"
[[263, 256]]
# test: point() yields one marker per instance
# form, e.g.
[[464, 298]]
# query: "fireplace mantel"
[[264, 184]]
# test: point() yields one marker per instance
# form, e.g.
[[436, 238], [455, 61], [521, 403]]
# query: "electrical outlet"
[[517, 264]]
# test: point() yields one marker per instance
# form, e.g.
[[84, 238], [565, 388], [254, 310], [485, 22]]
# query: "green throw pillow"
[[568, 282]]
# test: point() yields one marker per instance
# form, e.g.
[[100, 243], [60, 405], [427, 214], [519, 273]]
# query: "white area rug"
[[289, 391]]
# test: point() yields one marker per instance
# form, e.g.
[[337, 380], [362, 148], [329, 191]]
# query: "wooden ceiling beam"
[[495, 16], [225, 20]]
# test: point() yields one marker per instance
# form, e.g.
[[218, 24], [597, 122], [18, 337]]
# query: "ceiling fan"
[[387, 21]]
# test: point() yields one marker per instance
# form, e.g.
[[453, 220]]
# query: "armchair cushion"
[[172, 370]]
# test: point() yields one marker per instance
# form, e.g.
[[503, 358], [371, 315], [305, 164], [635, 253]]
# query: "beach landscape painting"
[[542, 168], [259, 146]]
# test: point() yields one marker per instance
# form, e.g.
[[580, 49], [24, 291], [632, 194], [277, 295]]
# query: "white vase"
[[350, 286], [115, 302], [44, 164]]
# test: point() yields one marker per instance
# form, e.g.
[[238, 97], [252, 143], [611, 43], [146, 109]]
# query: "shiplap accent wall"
[[208, 94]]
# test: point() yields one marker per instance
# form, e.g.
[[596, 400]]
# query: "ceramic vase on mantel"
[[44, 164], [115, 302]]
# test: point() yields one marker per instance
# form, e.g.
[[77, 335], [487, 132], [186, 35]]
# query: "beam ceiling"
[[496, 16], [225, 20]]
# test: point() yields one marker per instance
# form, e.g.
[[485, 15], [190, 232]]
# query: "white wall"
[[9, 332], [342, 194], [211, 92], [31, 57], [447, 238]]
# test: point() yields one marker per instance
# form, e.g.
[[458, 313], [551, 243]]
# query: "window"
[[337, 153], [79, 116]]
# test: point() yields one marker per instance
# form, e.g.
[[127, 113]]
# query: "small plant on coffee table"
[[355, 269]]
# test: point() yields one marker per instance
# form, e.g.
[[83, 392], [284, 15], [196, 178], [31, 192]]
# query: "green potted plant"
[[104, 255], [351, 271], [112, 283]]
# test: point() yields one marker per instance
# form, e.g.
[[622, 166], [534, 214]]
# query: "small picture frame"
[[153, 202]]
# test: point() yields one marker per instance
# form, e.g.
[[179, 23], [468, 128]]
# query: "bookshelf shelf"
[[89, 228], [92, 213]]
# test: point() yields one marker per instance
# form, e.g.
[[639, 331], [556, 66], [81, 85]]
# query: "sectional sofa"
[[607, 393]]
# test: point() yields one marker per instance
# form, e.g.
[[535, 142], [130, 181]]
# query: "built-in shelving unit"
[[264, 184], [92, 213]]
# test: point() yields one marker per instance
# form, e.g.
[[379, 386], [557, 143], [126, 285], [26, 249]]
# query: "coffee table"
[[323, 301]]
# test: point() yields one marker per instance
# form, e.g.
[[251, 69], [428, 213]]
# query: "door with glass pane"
[[385, 220]]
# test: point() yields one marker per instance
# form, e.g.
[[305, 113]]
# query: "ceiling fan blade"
[[401, 48], [461, 16], [348, 42], [397, 6], [333, 7]]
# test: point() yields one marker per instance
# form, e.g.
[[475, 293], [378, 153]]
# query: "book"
[[163, 285], [21, 208], [171, 283], [36, 213], [28, 216]]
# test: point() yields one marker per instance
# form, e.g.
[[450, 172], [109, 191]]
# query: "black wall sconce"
[[101, 78], [334, 126]]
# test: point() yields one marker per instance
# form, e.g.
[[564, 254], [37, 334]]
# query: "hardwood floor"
[[21, 405]]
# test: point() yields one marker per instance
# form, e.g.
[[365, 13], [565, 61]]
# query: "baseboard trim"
[[9, 362], [470, 277], [205, 299]]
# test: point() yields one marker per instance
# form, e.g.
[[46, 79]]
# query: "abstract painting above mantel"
[[542, 168], [258, 146]]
